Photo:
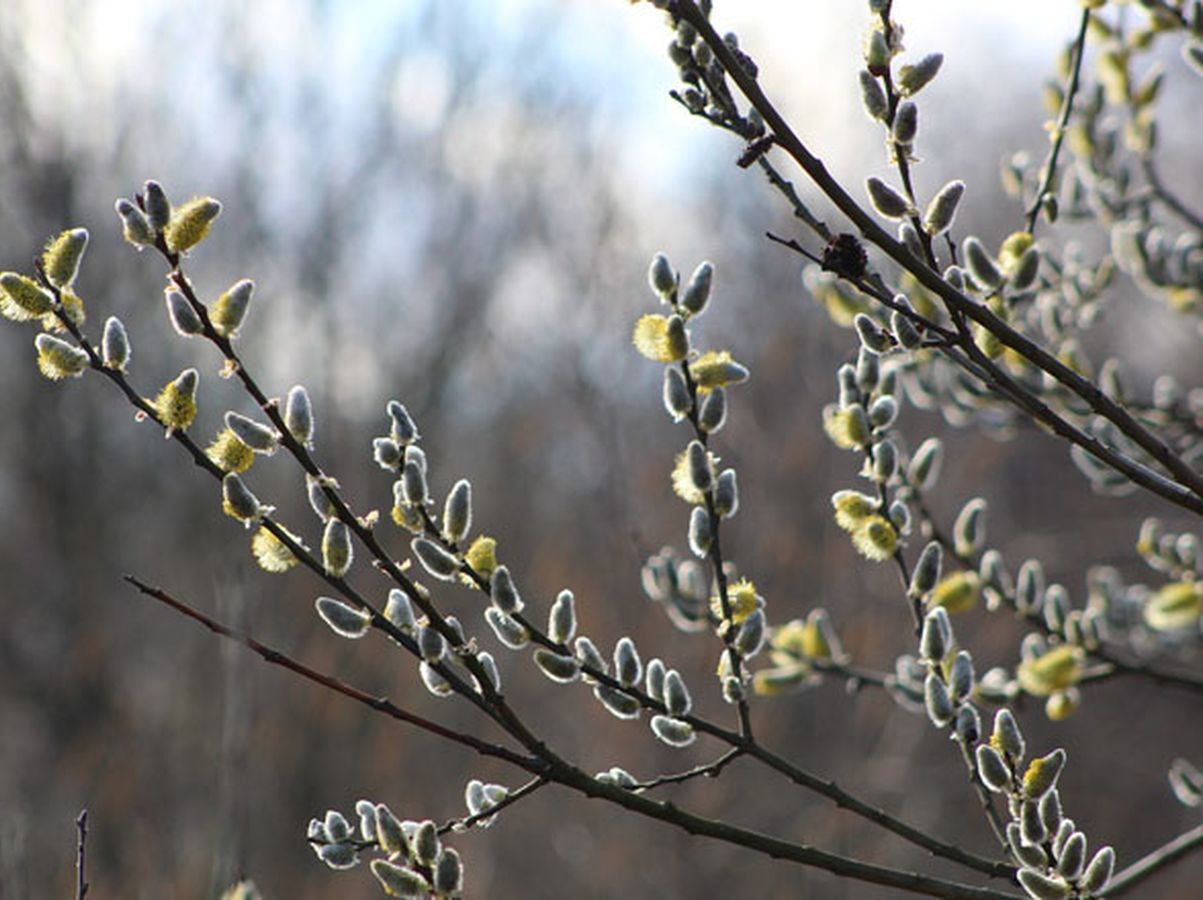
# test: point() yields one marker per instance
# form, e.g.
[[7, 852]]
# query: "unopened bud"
[[993, 770], [183, 317], [981, 265], [627, 665], [508, 630], [448, 873], [298, 415], [434, 559], [937, 700], [726, 494], [886, 200], [699, 531], [925, 464], [713, 414], [260, 438], [115, 348], [457, 512], [386, 453], [750, 637], [345, 620], [700, 472], [660, 275], [872, 96], [590, 657], [136, 228], [503, 592], [673, 732], [906, 123], [399, 611], [938, 216], [413, 481], [238, 502], [697, 291], [561, 621], [158, 207], [969, 530], [677, 401], [676, 695], [559, 668], [912, 79], [337, 549], [871, 335], [404, 431]]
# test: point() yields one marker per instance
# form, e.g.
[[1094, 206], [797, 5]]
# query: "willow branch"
[[563, 773], [1187, 493], [378, 704]]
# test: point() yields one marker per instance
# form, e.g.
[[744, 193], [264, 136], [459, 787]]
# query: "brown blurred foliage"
[[450, 229]]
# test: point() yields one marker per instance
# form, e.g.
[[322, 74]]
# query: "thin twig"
[[1152, 863], [379, 704], [511, 797], [899, 151], [709, 770], [81, 828], [1067, 103]]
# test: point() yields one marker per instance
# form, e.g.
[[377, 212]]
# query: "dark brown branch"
[[776, 848], [557, 770], [378, 704]]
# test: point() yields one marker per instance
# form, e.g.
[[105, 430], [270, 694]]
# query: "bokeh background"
[[453, 205]]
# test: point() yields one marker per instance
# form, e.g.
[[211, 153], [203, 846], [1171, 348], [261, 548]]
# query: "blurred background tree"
[[453, 204]]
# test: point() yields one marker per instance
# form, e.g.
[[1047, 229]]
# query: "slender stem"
[[380, 704], [778, 849], [709, 770], [844, 800], [899, 151], [984, 796], [509, 799], [81, 828], [717, 567], [1049, 175], [1154, 862]]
